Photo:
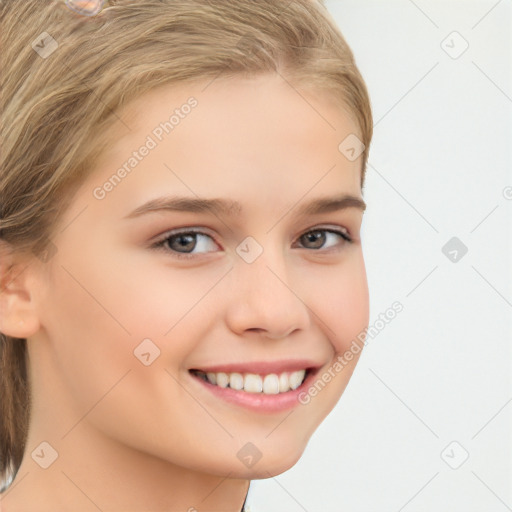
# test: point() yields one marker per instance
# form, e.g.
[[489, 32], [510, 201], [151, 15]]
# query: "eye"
[[318, 237], [183, 243]]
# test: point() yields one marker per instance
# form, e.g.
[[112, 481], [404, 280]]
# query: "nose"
[[263, 299]]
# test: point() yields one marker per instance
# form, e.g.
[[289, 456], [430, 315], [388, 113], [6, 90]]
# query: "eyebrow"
[[229, 207]]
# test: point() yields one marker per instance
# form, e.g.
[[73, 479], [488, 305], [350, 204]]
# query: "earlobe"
[[18, 313]]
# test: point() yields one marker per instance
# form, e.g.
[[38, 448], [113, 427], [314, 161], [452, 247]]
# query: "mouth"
[[260, 393], [267, 384]]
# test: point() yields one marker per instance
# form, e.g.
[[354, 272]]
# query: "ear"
[[18, 314]]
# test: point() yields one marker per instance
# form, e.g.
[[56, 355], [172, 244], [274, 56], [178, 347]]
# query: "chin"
[[272, 464]]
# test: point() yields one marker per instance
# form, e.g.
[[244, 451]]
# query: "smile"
[[266, 392], [270, 384]]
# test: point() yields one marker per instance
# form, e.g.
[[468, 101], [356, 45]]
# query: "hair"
[[58, 109]]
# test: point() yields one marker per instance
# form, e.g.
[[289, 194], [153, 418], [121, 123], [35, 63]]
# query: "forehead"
[[251, 139]]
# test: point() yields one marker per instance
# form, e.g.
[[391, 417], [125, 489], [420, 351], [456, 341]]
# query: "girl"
[[182, 277]]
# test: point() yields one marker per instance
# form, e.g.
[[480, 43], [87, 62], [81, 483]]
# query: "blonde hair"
[[65, 76]]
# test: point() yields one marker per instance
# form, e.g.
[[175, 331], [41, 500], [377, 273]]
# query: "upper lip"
[[261, 367]]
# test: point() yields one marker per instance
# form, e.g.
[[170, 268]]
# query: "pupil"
[[316, 236], [188, 240]]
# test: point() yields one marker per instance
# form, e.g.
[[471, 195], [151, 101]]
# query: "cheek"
[[102, 323], [89, 339], [103, 329], [343, 305]]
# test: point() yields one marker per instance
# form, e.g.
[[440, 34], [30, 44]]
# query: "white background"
[[441, 370]]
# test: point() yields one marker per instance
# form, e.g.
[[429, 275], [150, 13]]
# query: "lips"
[[267, 377], [261, 367], [260, 396]]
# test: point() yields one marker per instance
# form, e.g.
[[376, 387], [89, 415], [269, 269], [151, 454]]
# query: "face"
[[135, 297]]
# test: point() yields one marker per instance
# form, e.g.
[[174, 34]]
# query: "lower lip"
[[260, 402]]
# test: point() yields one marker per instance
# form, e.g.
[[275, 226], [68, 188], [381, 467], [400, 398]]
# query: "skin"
[[135, 437]]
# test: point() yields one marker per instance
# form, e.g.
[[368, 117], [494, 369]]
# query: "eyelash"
[[160, 244]]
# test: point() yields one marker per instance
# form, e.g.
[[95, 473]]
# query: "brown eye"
[[316, 239], [183, 243]]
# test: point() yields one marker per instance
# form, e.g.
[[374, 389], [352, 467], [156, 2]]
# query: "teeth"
[[222, 380], [284, 383], [236, 381], [253, 383], [296, 379], [270, 384]]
